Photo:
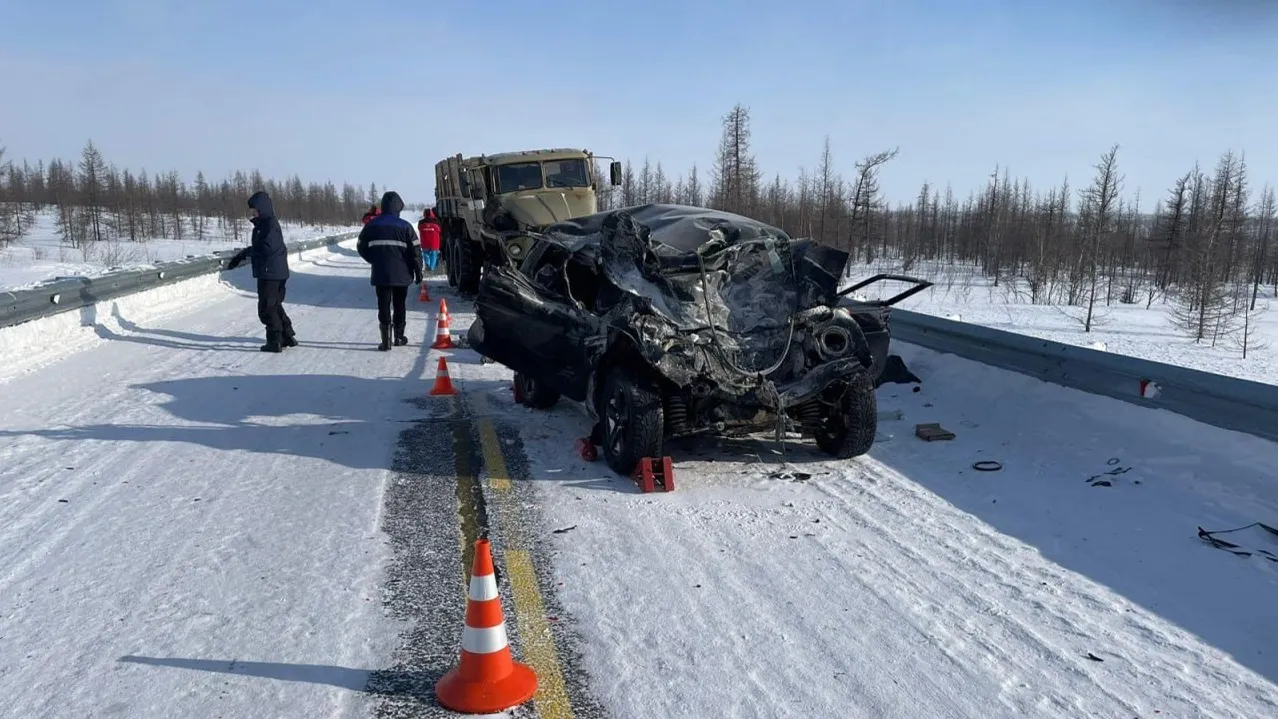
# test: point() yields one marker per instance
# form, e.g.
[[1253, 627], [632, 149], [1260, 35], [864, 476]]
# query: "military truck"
[[488, 203]]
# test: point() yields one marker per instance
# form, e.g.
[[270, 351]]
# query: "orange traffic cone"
[[424, 295], [443, 338], [443, 383], [487, 680]]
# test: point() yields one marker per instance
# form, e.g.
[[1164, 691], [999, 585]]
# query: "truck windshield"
[[567, 173], [520, 176]]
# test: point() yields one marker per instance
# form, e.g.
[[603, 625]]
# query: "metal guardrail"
[[1227, 402], [71, 293]]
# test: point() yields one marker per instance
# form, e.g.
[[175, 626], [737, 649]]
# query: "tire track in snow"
[[18, 516], [994, 578], [695, 542]]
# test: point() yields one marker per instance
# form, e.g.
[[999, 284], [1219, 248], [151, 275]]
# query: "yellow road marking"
[[539, 644], [491, 447], [530, 611]]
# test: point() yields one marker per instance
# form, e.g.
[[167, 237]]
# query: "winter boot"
[[290, 340], [400, 339], [386, 338], [273, 343]]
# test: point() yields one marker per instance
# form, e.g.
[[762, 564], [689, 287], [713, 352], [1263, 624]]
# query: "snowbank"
[[963, 294], [32, 345], [41, 255]]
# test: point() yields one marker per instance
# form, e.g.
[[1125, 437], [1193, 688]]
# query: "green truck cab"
[[488, 204]]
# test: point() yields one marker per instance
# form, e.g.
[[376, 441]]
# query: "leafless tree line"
[[97, 201], [1205, 248]]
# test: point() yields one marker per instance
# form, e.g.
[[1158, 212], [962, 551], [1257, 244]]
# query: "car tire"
[[632, 420], [849, 428], [535, 394]]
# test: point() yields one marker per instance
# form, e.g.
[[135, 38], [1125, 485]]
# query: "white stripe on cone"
[[483, 588], [484, 641]]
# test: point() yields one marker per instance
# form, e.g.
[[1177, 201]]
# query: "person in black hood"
[[269, 258], [389, 244]]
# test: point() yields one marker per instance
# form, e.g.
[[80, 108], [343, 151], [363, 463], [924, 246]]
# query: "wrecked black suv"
[[670, 321]]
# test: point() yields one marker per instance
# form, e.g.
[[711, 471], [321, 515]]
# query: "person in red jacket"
[[429, 230], [372, 212]]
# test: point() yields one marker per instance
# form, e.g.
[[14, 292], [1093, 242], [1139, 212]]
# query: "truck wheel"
[[534, 394], [450, 262], [470, 260], [848, 430], [632, 418]]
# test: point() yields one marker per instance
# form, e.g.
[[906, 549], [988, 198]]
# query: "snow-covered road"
[[189, 527]]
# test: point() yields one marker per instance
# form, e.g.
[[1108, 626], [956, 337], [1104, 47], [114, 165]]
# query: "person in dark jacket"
[[389, 243], [269, 258]]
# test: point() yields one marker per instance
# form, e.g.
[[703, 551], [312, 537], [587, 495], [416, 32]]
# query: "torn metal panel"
[[709, 294]]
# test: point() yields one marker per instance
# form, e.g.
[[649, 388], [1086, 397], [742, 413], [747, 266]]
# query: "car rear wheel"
[[849, 427], [533, 393], [632, 418]]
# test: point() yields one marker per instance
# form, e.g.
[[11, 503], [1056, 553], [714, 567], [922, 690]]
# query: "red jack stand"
[[651, 473], [587, 449], [519, 395]]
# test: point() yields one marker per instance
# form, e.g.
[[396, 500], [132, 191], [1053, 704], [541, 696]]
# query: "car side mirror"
[[614, 170]]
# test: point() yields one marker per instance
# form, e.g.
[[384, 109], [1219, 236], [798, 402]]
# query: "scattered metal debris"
[[1101, 480], [791, 475], [1237, 549]]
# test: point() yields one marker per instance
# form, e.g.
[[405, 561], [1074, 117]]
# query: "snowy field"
[[963, 293], [41, 255]]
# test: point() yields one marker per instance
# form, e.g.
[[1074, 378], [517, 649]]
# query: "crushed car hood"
[[701, 287]]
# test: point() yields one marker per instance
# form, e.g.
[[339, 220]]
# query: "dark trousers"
[[270, 307], [390, 306]]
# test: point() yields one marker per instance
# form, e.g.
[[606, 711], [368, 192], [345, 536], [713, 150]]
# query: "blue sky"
[[379, 91]]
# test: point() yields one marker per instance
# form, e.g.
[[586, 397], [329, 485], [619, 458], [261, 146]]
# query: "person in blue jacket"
[[269, 257], [389, 244]]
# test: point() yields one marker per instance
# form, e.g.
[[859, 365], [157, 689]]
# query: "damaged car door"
[[530, 321]]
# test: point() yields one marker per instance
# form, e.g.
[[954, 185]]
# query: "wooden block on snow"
[[932, 432]]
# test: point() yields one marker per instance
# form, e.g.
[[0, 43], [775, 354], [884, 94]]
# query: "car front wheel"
[[849, 427], [631, 414]]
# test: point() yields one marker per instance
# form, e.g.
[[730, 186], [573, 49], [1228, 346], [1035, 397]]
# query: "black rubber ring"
[[987, 465]]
